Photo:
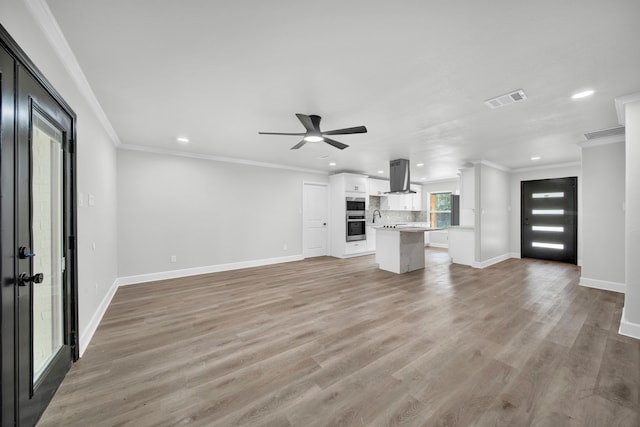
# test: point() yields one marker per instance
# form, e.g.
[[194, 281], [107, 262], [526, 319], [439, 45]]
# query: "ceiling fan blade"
[[346, 131], [280, 133], [299, 144], [336, 144], [310, 123]]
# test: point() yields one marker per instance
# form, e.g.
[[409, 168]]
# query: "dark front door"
[[38, 248], [549, 219]]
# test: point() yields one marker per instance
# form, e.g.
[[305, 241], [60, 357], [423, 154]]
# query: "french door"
[[39, 313], [549, 215]]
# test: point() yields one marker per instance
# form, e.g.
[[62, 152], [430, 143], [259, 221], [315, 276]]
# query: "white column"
[[629, 114]]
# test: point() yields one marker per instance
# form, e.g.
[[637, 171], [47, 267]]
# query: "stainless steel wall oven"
[[356, 219]]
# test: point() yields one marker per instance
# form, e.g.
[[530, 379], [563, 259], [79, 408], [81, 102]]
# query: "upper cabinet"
[[355, 183], [378, 187], [403, 202], [416, 202]]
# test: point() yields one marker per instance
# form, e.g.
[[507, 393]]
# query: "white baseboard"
[[87, 334], [627, 328], [605, 285], [492, 261], [173, 274], [515, 255]]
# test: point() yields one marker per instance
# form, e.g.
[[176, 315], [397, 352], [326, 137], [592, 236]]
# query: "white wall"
[[541, 173], [204, 212], [494, 213], [438, 238], [603, 195], [96, 172]]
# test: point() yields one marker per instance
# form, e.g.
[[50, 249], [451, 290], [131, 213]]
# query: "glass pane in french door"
[[47, 241]]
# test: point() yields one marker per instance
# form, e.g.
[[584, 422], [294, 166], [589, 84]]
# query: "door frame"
[[9, 245], [322, 184]]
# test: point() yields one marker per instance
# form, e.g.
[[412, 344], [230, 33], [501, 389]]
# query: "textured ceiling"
[[416, 73]]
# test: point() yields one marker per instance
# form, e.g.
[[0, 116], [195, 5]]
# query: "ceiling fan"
[[314, 134]]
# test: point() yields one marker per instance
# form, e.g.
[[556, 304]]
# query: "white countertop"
[[406, 224], [406, 229]]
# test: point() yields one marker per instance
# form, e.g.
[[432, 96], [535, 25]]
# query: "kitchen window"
[[440, 210]]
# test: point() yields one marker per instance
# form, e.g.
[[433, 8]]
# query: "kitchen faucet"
[[374, 215]]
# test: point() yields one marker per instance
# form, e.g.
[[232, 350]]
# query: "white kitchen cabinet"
[[355, 183], [416, 198], [344, 185], [356, 247], [371, 238], [390, 202], [378, 187], [403, 202]]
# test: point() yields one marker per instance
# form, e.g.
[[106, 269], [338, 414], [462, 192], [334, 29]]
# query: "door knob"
[[24, 278]]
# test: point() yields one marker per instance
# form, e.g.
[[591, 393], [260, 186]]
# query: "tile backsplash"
[[394, 217]]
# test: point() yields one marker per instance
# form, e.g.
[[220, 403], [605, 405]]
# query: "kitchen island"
[[400, 249]]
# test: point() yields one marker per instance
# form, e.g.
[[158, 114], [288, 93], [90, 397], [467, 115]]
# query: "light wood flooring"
[[338, 342]]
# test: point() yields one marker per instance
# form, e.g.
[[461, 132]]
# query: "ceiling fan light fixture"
[[313, 138]]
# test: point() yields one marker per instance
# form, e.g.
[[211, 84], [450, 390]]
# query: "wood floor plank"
[[338, 342]]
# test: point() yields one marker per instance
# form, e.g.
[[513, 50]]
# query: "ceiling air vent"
[[604, 133], [506, 99]]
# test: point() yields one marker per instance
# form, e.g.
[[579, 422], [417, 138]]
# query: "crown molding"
[[542, 167], [601, 141], [439, 180], [152, 150], [621, 101], [49, 26], [495, 166]]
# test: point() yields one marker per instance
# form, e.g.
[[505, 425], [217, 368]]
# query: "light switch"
[[80, 199], [92, 200]]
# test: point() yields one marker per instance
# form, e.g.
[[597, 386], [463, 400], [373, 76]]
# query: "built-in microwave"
[[355, 204]]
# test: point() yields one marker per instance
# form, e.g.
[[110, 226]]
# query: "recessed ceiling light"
[[332, 164], [422, 178], [380, 171], [583, 94], [182, 140], [419, 165], [534, 158]]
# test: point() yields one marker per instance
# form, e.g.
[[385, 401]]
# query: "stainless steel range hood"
[[399, 177]]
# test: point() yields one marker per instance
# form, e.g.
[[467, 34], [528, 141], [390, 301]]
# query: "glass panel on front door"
[[47, 243]]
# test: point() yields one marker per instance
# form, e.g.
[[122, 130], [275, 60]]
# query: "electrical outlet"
[[174, 258], [284, 247], [96, 289]]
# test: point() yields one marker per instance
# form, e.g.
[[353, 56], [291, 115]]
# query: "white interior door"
[[315, 211]]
